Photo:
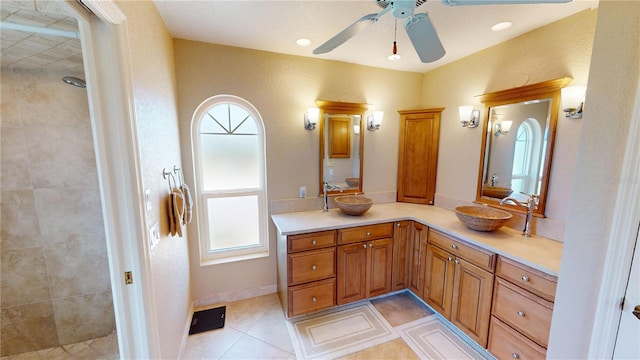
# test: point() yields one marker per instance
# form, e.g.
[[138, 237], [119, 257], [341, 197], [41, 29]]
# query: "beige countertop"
[[537, 252]]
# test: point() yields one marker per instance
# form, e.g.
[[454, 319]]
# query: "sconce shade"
[[375, 121], [311, 118], [573, 101], [502, 128], [468, 116]]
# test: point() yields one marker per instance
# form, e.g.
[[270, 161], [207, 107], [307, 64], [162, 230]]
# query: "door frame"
[[624, 227], [107, 66]]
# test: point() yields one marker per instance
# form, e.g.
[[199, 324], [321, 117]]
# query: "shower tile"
[[12, 140], [62, 157], [85, 317], [70, 214], [20, 227], [27, 328], [53, 103], [76, 268], [15, 172], [24, 277], [9, 111]]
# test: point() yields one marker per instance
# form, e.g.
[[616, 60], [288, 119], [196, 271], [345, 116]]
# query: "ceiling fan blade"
[[501, 2], [347, 33], [424, 38]]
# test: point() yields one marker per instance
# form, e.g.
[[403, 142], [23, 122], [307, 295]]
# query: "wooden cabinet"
[[459, 284], [364, 262], [340, 136], [522, 310], [402, 233], [417, 262], [418, 155], [310, 272]]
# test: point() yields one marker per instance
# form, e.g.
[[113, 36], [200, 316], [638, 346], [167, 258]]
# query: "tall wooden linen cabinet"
[[418, 155]]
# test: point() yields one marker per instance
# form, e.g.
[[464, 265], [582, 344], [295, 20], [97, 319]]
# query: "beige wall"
[[554, 51], [154, 85], [613, 80], [55, 273], [282, 87]]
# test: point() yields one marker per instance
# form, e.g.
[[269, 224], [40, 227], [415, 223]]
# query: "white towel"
[[188, 203], [178, 210]]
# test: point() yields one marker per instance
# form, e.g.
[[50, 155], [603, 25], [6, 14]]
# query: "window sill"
[[234, 258]]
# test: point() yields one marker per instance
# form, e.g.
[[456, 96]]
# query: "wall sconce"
[[502, 128], [572, 96], [374, 121], [469, 117], [311, 118]]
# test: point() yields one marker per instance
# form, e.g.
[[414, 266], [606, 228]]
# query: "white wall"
[[613, 77]]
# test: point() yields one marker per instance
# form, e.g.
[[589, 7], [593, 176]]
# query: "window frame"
[[208, 257]]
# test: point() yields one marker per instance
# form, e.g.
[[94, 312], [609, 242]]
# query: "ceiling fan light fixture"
[[394, 57], [501, 26], [303, 42]]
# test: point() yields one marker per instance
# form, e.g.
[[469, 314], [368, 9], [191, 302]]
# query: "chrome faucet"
[[531, 204], [326, 187]]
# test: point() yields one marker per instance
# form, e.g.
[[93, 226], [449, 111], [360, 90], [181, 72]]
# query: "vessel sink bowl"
[[353, 204], [482, 218], [352, 182], [496, 191]]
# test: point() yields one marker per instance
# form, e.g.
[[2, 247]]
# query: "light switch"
[[154, 235]]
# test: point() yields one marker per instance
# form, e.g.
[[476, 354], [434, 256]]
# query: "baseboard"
[[234, 296], [185, 333]]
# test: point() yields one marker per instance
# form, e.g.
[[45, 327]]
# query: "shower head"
[[74, 81]]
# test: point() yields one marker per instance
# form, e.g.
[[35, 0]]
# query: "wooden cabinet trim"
[[537, 282], [311, 241], [365, 233], [479, 257]]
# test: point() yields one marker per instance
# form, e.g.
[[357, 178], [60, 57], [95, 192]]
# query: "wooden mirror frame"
[[332, 107], [544, 90]]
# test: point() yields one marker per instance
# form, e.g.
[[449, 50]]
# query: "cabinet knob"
[[314, 242], [457, 261], [313, 267], [515, 356], [397, 224], [525, 278], [370, 245], [449, 258], [368, 233], [521, 313], [313, 299], [364, 246], [454, 246]]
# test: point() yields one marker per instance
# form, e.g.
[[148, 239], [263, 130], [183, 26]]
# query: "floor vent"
[[205, 320]]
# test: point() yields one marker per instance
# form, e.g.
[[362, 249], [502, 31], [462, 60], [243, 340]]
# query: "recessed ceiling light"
[[501, 26], [394, 57], [303, 42]]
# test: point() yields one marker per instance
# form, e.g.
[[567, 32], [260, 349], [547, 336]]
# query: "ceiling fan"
[[421, 31]]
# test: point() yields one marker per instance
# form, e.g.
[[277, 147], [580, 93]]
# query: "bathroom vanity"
[[497, 287]]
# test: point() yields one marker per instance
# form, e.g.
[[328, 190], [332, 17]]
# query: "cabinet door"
[[340, 137], [417, 265], [471, 301], [401, 254], [418, 156], [438, 285], [351, 269], [379, 261]]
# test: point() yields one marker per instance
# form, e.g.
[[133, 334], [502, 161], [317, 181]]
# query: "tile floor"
[[256, 329], [104, 348]]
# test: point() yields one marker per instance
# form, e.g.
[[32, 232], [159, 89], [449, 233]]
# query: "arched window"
[[228, 140], [521, 158]]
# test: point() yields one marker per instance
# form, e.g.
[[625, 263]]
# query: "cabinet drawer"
[[311, 265], [523, 311], [311, 297], [365, 233], [472, 254], [537, 282], [506, 343], [311, 241]]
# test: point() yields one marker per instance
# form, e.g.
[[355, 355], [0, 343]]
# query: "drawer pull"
[[313, 267], [313, 299], [449, 258], [515, 356], [397, 224], [314, 242], [457, 261], [370, 245], [525, 278], [368, 233], [521, 313], [364, 246], [454, 246]]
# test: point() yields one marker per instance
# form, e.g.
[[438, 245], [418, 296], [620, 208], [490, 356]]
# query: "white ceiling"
[[274, 25]]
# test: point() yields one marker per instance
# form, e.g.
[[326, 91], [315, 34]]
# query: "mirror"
[[519, 127], [341, 145]]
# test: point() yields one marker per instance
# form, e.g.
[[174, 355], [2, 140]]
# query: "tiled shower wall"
[[55, 285]]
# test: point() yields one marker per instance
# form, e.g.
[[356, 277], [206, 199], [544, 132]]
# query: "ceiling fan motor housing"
[[402, 8]]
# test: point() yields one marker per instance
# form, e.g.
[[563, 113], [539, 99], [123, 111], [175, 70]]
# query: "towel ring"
[[169, 176], [178, 171]]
